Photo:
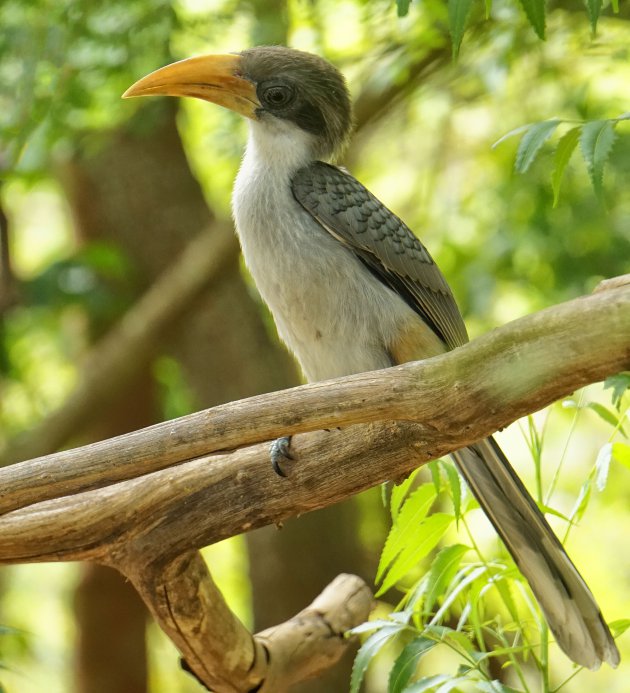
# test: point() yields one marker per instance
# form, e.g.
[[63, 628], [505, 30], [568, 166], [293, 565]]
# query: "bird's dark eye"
[[276, 95]]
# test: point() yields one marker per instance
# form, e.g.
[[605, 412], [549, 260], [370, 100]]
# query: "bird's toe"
[[280, 454]]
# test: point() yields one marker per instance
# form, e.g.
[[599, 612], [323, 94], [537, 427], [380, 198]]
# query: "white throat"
[[279, 146]]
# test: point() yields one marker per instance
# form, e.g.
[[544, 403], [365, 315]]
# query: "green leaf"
[[458, 11], [427, 683], [607, 415], [548, 510], [503, 588], [494, 687], [582, 501], [535, 11], [402, 7], [441, 572], [594, 8], [434, 469], [532, 141], [406, 663], [399, 492], [618, 384], [512, 133], [428, 534], [620, 626], [376, 624], [406, 525], [602, 465], [456, 487], [621, 453], [615, 5], [458, 641], [565, 148], [368, 651], [596, 143]]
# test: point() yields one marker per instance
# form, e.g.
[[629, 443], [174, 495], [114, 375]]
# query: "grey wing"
[[348, 211]]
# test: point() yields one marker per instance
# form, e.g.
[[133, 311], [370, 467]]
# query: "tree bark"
[[457, 398], [150, 526]]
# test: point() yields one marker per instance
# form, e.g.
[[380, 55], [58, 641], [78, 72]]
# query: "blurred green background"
[[99, 195]]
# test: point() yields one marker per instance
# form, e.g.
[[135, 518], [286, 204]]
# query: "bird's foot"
[[280, 454]]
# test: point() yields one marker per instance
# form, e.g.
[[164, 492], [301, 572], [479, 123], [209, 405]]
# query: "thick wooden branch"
[[458, 397], [149, 526]]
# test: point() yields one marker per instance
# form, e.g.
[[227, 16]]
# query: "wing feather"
[[350, 213]]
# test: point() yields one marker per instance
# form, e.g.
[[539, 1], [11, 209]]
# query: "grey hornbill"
[[352, 289]]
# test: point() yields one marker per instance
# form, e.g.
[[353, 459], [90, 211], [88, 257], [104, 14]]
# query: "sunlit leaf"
[[607, 415], [441, 572], [427, 683], [548, 510], [565, 148], [602, 465], [596, 143], [620, 626], [459, 640], [405, 528], [367, 651], [376, 624], [535, 12], [493, 687], [428, 534], [618, 383], [458, 11], [452, 596], [434, 469], [594, 8], [582, 500], [406, 663], [532, 141], [400, 491], [456, 487], [402, 7], [512, 133]]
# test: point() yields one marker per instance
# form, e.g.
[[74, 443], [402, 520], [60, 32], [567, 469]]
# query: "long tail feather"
[[571, 610]]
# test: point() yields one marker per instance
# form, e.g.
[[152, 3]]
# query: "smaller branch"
[[112, 361], [191, 610], [622, 280], [221, 651], [314, 640]]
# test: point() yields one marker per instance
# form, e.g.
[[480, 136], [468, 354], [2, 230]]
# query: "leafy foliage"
[[458, 11], [535, 11], [596, 139], [86, 55], [458, 599]]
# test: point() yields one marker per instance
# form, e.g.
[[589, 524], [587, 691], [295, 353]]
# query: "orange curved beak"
[[215, 78]]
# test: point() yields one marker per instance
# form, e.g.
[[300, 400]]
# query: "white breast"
[[331, 312]]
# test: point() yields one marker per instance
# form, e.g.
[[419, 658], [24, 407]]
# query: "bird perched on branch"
[[352, 289]]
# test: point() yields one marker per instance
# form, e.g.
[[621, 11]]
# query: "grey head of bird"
[[274, 86]]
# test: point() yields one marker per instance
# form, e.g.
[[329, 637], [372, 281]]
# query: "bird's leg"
[[280, 453]]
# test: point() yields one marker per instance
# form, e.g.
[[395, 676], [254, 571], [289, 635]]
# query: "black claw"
[[280, 453]]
